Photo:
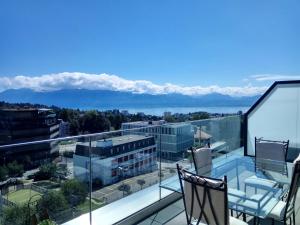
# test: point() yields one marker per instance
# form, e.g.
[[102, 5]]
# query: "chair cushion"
[[258, 181], [235, 221], [277, 212]]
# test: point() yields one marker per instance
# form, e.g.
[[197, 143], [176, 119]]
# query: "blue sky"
[[187, 43]]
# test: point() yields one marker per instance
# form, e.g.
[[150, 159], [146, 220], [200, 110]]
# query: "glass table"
[[254, 187]]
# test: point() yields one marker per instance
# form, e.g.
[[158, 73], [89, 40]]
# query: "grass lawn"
[[22, 196], [85, 207]]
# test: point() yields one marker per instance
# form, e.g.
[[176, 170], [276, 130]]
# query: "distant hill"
[[82, 98]]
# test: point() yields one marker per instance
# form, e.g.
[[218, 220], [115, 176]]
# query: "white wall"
[[277, 117]]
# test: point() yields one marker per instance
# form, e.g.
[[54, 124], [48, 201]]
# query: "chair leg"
[[294, 218], [273, 221], [244, 217]]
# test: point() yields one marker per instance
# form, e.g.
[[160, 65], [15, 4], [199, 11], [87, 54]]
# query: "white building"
[[173, 139], [116, 158]]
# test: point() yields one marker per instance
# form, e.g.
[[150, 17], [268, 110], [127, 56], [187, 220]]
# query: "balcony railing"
[[107, 177]]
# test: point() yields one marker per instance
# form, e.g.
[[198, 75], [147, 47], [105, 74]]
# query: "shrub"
[[3, 173], [15, 169], [16, 215], [74, 191], [45, 172], [47, 222], [54, 201]]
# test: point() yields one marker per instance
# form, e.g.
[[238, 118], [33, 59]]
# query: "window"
[[113, 173], [120, 160], [131, 156], [126, 158]]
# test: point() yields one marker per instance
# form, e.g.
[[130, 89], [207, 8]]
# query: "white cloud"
[[274, 77], [68, 80]]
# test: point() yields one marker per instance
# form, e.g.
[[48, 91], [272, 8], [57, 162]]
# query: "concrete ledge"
[[151, 209]]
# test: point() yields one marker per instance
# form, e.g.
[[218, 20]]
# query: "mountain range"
[[83, 98]]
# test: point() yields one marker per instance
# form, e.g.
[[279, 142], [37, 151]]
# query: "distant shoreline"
[[158, 111]]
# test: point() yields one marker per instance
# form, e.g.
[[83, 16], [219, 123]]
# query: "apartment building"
[[27, 125], [116, 158]]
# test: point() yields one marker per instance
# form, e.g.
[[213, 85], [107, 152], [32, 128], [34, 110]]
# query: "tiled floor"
[[174, 215]]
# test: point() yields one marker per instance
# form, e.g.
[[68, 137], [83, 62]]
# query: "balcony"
[[129, 176]]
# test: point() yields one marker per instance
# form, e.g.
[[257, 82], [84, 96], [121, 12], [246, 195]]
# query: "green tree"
[[74, 191], [47, 222], [54, 201], [93, 122], [170, 119], [141, 182], [26, 161], [3, 173], [16, 215], [15, 169], [124, 188], [46, 171]]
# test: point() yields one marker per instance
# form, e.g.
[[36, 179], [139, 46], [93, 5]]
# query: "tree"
[[16, 215], [141, 182], [46, 171], [3, 173], [47, 222], [54, 201], [74, 191], [124, 188], [93, 122], [15, 169]]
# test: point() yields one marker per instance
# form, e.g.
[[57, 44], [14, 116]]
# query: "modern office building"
[[26, 125], [174, 138], [116, 158]]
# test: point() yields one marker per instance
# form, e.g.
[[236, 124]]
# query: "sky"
[[155, 46]]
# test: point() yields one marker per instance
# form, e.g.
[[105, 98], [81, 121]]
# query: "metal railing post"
[[90, 178]]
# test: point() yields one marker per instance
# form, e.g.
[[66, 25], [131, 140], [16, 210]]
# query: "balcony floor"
[[174, 215]]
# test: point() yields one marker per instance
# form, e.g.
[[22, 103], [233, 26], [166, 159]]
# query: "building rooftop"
[[118, 140], [125, 139]]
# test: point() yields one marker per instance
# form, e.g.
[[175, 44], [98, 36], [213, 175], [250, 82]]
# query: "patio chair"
[[286, 209], [268, 150], [273, 150], [202, 160], [205, 200]]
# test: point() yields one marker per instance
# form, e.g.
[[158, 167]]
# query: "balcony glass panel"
[[277, 117], [108, 176]]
